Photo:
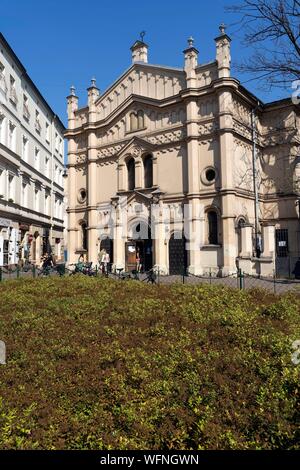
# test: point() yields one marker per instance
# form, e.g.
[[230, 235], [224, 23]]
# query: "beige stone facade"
[[185, 167]]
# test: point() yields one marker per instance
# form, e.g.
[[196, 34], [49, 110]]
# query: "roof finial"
[[72, 90], [142, 34], [191, 41], [93, 82], [222, 28]]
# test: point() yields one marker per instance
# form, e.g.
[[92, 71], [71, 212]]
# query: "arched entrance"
[[177, 254], [108, 245], [139, 245]]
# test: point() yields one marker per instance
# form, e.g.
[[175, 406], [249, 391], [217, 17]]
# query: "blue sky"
[[67, 42]]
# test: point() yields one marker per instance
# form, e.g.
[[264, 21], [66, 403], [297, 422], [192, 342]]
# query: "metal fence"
[[238, 280]]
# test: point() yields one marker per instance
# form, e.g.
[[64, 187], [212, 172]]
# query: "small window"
[[133, 122], [26, 112], [131, 174], [210, 174], [140, 118], [148, 171], [212, 219]]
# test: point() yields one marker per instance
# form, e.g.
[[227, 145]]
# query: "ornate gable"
[[141, 80], [135, 147]]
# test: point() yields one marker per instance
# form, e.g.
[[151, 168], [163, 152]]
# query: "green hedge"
[[101, 364]]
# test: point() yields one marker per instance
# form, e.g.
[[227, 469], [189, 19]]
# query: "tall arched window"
[[131, 174], [148, 171], [212, 219], [140, 118], [133, 122], [240, 224], [84, 238]]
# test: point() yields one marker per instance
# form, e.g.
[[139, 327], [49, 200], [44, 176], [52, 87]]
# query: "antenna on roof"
[[142, 34]]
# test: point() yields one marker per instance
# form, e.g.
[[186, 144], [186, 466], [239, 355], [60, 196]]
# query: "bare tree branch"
[[272, 29]]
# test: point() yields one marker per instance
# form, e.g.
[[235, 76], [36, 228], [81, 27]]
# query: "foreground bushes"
[[100, 364]]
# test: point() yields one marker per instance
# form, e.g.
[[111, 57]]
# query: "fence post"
[[0, 274], [241, 279], [158, 280], [210, 276], [183, 273], [274, 279], [33, 271], [18, 271], [96, 269]]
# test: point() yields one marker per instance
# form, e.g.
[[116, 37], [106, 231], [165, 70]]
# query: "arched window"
[[140, 118], [133, 122], [212, 218], [240, 224], [84, 238], [131, 174], [148, 171]]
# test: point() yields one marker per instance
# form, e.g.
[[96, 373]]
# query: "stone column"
[[93, 180], [246, 240], [268, 239]]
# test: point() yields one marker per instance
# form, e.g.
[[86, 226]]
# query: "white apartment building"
[[31, 167]]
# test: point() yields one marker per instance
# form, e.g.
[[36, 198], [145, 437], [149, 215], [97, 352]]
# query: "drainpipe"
[[254, 172]]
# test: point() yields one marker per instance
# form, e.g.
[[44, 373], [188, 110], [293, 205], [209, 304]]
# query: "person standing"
[[138, 262]]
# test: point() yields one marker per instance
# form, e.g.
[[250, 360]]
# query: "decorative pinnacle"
[[222, 28], [191, 41], [93, 82], [72, 90], [142, 34]]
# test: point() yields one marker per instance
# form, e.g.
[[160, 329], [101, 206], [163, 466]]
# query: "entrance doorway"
[[177, 254], [141, 244]]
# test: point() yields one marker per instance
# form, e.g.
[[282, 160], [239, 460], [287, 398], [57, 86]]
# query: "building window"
[[24, 194], [2, 128], [38, 126], [36, 199], [240, 224], [61, 147], [36, 158], [212, 219], [148, 171], [140, 118], [12, 93], [12, 136], [47, 166], [26, 112], [84, 238], [137, 120], [11, 188], [47, 132], [25, 148], [47, 203], [3, 86], [131, 174], [56, 142]]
